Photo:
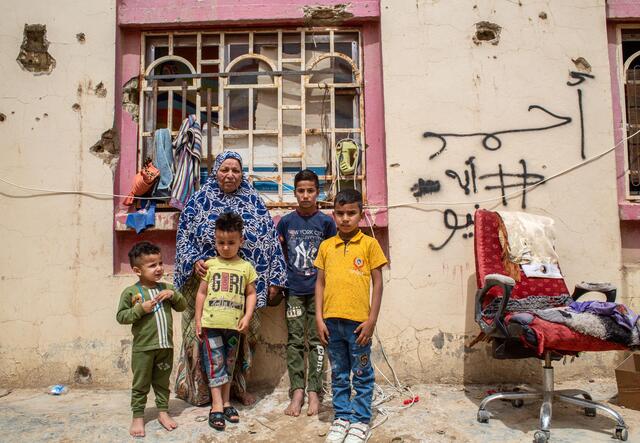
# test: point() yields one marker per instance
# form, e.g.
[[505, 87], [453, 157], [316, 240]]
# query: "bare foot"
[[297, 400], [314, 403], [245, 398], [165, 420], [137, 427]]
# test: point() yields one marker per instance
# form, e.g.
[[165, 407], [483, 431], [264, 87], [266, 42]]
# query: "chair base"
[[548, 396]]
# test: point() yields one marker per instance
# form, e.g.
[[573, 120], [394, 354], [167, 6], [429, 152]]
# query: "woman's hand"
[[200, 268], [274, 296]]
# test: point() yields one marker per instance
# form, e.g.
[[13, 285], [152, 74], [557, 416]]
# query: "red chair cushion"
[[557, 337]]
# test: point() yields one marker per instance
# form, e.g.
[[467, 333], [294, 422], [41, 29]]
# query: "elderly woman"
[[227, 190]]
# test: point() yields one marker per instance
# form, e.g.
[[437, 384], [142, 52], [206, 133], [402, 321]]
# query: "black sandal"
[[229, 412], [216, 420]]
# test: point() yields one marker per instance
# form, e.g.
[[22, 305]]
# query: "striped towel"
[[187, 145]]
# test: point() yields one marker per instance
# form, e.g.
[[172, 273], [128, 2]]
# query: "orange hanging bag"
[[143, 181]]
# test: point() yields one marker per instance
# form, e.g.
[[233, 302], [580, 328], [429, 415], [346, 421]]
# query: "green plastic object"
[[348, 155]]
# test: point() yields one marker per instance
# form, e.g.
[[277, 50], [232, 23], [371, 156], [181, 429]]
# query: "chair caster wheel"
[[517, 403], [483, 416], [590, 412], [621, 434], [541, 437]]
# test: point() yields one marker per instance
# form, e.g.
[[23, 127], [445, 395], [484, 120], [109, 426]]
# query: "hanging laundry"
[[163, 160], [187, 147], [143, 218], [143, 181]]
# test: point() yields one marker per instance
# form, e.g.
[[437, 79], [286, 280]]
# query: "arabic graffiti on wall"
[[506, 179]]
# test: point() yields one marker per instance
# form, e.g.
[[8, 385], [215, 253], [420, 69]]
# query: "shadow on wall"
[[480, 367]]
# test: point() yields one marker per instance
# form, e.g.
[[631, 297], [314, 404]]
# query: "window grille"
[[284, 99], [631, 58]]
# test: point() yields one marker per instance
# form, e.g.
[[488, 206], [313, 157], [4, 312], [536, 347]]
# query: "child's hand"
[[148, 305], [164, 295], [366, 332], [323, 332], [199, 332], [243, 324]]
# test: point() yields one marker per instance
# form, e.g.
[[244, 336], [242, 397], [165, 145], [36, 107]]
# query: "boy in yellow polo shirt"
[[348, 264]]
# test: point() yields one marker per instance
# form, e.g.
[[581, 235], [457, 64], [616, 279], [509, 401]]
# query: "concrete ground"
[[444, 413]]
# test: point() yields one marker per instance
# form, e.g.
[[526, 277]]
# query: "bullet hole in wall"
[[100, 90], [107, 148], [582, 64], [33, 56], [320, 15], [487, 32], [82, 375], [131, 98]]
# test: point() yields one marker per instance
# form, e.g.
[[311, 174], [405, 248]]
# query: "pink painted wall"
[[135, 16], [374, 122], [181, 12], [127, 66], [623, 9]]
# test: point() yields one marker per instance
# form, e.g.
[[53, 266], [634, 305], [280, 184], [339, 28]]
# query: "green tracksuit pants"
[[301, 318], [150, 368]]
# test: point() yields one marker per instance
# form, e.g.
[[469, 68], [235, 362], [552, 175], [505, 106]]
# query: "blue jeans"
[[348, 357]]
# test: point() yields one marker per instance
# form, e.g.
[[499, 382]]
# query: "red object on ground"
[[409, 401], [491, 391]]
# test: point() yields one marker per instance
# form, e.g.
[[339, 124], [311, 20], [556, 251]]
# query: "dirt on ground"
[[444, 413]]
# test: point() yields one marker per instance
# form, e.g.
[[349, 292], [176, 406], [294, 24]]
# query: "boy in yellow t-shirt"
[[221, 315], [348, 264]]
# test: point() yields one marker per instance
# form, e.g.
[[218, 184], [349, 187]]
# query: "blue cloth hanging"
[[143, 218], [163, 161]]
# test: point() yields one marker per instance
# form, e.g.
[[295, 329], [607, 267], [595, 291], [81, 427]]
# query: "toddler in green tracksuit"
[[147, 307]]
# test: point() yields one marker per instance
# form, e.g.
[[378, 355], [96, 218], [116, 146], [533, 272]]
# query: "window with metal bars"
[[284, 99], [631, 73]]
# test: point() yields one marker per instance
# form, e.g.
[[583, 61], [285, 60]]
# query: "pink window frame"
[[135, 16], [620, 12]]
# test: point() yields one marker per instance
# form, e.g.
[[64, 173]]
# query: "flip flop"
[[229, 412], [216, 421]]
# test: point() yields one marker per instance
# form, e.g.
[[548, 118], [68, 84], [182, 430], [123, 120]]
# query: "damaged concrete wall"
[[56, 259], [445, 72], [492, 68], [33, 56]]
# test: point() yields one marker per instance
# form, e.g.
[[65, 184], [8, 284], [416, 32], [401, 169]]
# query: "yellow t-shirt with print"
[[227, 282], [347, 275]]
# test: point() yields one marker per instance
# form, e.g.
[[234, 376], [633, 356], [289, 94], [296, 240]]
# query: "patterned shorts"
[[219, 352]]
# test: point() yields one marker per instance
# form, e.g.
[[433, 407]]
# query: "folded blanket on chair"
[[622, 315], [604, 327]]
